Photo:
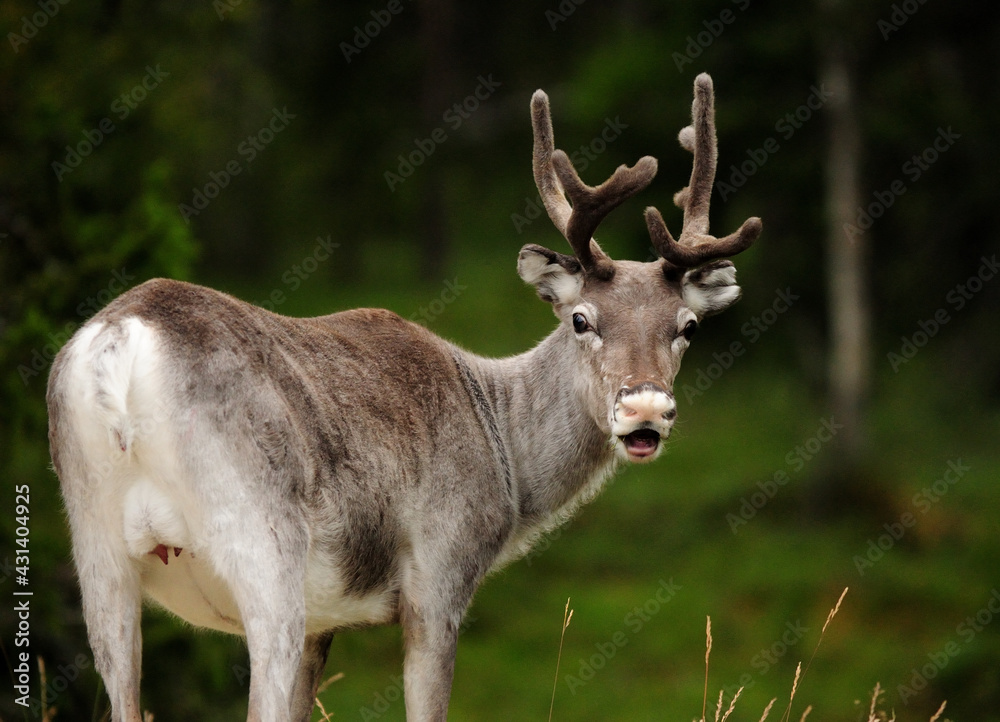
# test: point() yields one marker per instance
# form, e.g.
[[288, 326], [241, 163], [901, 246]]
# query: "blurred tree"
[[847, 255], [437, 30]]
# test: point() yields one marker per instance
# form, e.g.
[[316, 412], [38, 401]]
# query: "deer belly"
[[184, 581], [173, 575], [188, 586], [330, 606]]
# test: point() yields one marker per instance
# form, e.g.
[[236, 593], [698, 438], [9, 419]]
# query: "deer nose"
[[646, 402]]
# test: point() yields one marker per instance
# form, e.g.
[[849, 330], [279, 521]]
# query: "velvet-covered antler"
[[695, 245], [575, 208]]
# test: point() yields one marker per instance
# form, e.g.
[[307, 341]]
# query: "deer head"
[[627, 323]]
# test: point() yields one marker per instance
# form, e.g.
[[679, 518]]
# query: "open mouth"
[[641, 444]]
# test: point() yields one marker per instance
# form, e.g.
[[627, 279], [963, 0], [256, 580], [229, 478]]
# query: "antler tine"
[[696, 246], [556, 179], [555, 202]]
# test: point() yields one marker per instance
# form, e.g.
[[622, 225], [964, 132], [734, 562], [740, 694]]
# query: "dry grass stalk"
[[798, 671], [806, 713], [833, 612], [731, 704], [708, 653], [795, 685], [767, 710], [326, 716], [47, 714], [718, 706], [875, 696], [937, 715], [329, 680], [567, 616], [319, 690]]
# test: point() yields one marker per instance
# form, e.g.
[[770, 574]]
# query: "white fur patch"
[[708, 291], [553, 282], [565, 286], [152, 518], [531, 266]]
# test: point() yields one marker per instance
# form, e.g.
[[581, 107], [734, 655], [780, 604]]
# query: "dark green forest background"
[[315, 156]]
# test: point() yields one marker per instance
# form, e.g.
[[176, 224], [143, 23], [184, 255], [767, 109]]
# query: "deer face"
[[627, 335], [630, 323]]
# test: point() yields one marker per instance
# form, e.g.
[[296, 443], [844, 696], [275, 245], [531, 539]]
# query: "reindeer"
[[282, 478]]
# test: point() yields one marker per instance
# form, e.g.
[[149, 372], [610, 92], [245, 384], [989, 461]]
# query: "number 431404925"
[[21, 517]]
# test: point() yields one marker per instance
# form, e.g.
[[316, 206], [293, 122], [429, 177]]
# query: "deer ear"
[[557, 277], [711, 288]]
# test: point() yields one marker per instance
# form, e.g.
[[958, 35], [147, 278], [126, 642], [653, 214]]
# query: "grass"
[[874, 714]]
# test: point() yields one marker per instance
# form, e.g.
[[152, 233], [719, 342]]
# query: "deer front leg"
[[437, 588], [431, 635]]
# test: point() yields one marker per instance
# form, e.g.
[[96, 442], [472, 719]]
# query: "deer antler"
[[556, 179], [695, 245]]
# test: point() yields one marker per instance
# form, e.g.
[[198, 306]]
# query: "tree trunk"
[[437, 23], [847, 265]]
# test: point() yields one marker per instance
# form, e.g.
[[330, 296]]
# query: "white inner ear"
[[552, 280], [565, 286], [711, 291], [531, 266]]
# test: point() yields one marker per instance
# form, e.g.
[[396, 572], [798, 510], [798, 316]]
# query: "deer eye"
[[580, 324], [689, 328]]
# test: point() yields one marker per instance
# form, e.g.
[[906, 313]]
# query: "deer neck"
[[557, 455]]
